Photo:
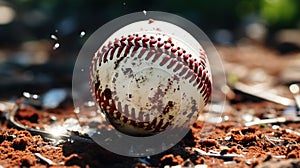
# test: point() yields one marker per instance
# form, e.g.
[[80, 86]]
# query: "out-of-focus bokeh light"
[[256, 31], [7, 14], [223, 36]]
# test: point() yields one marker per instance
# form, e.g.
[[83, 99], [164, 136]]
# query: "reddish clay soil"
[[230, 144], [251, 146]]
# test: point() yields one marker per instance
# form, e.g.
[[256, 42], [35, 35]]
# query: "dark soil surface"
[[234, 142]]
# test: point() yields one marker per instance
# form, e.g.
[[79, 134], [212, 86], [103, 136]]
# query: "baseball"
[[149, 81]]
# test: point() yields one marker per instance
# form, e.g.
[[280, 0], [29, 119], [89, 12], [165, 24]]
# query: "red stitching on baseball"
[[165, 60], [157, 55], [150, 54], [191, 69], [172, 63]]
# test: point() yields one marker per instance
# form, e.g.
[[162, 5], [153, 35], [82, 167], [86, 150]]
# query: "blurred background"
[[40, 39]]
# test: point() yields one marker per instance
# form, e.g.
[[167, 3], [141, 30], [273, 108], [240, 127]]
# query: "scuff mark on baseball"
[[145, 83]]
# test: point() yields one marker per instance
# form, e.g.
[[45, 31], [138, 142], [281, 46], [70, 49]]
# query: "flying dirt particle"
[[151, 21]]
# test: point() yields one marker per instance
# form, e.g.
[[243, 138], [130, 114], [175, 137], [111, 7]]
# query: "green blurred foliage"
[[280, 13]]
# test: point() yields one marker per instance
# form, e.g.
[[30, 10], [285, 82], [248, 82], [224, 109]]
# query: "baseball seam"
[[192, 70]]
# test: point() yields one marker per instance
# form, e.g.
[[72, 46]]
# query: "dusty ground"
[[233, 143]]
